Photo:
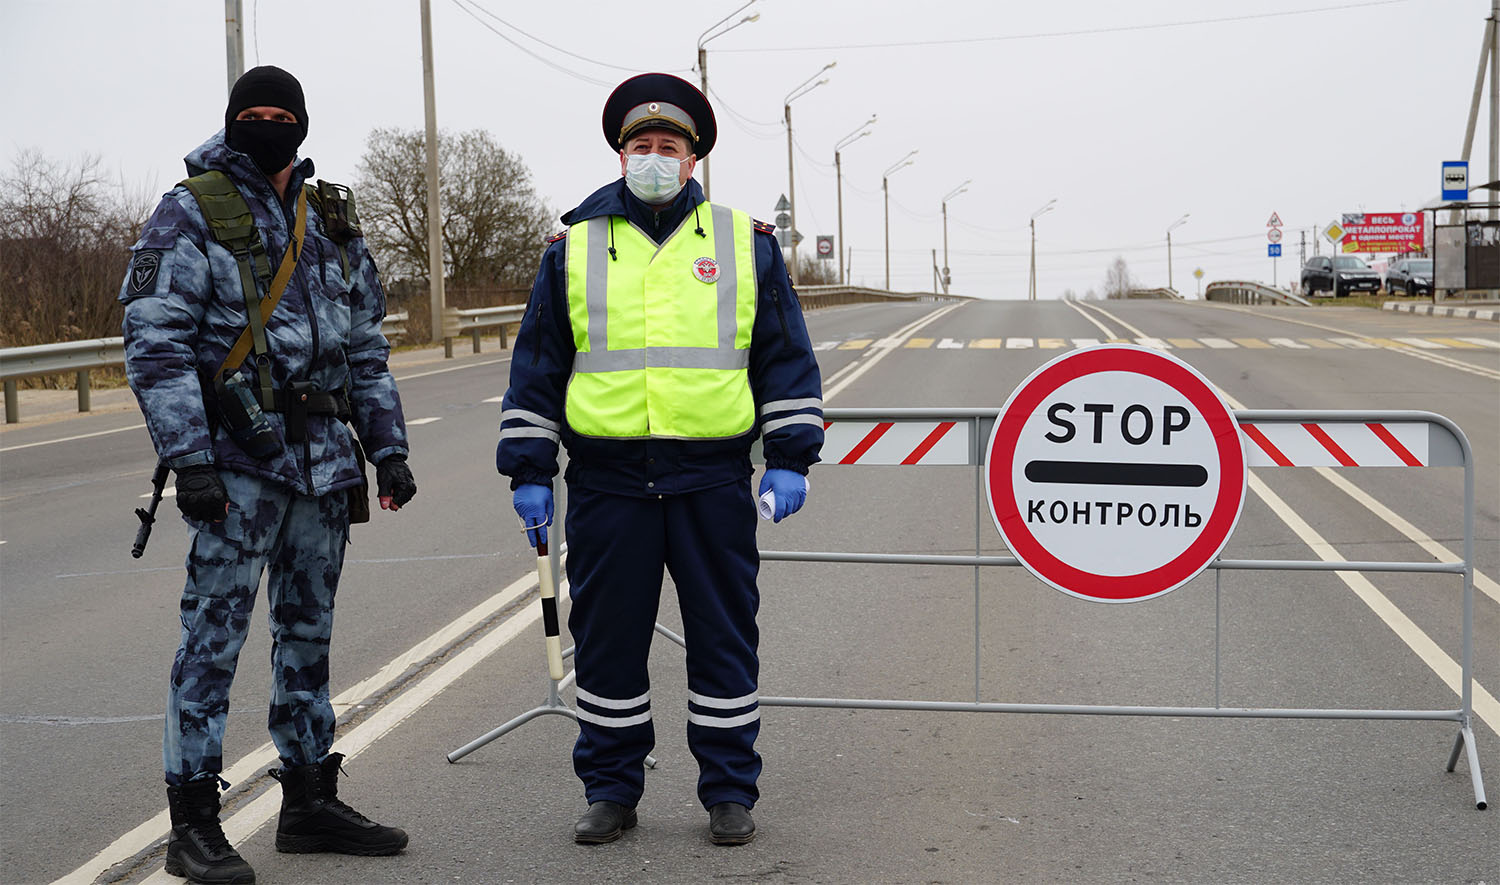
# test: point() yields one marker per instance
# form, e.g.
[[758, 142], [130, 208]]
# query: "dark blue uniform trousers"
[[302, 539], [617, 547]]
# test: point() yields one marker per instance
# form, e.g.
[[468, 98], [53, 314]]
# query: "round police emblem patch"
[[706, 269]]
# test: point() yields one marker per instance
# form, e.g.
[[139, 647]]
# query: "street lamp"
[[703, 39], [951, 194], [1171, 227], [1042, 211], [802, 89], [838, 171], [886, 189]]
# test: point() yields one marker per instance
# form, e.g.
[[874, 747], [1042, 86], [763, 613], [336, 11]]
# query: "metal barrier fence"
[[1271, 438], [1241, 292]]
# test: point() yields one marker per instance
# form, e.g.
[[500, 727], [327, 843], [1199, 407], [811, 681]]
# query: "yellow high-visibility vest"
[[662, 333]]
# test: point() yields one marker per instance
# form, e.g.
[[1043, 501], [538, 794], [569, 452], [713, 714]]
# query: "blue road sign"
[[1273, 250], [1455, 179]]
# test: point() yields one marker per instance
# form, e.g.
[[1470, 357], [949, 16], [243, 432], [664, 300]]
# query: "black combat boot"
[[603, 822], [729, 823], [313, 819], [197, 848]]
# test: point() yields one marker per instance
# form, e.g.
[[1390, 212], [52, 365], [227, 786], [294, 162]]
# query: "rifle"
[[148, 514]]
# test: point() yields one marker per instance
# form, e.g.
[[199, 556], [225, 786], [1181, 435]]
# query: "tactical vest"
[[662, 332]]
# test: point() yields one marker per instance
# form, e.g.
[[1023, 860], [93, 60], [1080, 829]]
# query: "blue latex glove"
[[533, 504], [790, 489]]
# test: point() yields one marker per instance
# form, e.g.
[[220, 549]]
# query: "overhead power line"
[[551, 64], [1080, 32]]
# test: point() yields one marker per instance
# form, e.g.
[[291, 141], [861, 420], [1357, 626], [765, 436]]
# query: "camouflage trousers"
[[301, 538]]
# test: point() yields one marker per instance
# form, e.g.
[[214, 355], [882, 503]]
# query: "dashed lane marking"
[[418, 421]]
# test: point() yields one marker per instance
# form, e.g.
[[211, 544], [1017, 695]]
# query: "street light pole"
[[951, 194], [703, 39], [802, 89], [1171, 227], [434, 210], [234, 39], [885, 188], [1031, 293], [838, 173]]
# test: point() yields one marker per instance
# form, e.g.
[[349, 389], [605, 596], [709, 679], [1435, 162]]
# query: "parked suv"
[[1340, 275], [1410, 276]]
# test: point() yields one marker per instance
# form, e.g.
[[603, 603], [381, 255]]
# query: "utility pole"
[[791, 178], [234, 39], [703, 72], [1170, 228], [703, 39], [838, 174], [937, 278], [1031, 295], [951, 194], [885, 188], [434, 210]]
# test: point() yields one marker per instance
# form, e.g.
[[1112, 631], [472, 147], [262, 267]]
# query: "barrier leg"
[[12, 403], [1465, 741], [447, 348], [83, 390], [475, 335], [503, 344]]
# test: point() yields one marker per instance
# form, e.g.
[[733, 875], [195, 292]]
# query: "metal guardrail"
[[473, 322], [1163, 292], [1241, 292], [81, 356], [57, 359], [814, 297]]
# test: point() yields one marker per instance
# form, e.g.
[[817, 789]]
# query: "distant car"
[[1340, 275], [1410, 276]]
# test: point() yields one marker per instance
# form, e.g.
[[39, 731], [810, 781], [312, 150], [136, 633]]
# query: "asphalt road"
[[438, 642]]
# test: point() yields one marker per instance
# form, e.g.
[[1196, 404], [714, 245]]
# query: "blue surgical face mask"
[[652, 177]]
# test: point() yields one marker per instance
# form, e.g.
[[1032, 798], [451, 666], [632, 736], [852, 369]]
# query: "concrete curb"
[[1472, 313]]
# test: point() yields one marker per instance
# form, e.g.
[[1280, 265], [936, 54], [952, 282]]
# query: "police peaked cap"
[[659, 101]]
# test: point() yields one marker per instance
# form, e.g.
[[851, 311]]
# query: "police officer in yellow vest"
[[662, 338]]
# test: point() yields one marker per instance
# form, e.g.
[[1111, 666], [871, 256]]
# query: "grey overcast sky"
[[1129, 114]]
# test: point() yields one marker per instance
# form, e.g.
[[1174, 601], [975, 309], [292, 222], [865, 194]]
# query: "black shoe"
[[603, 822], [197, 848], [729, 823], [313, 819]]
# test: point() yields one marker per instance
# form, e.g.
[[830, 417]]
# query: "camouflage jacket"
[[184, 310]]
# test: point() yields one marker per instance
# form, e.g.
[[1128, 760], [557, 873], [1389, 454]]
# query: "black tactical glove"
[[393, 482], [201, 494]]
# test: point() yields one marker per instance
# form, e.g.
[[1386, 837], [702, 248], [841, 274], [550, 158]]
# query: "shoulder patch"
[[764, 227], [557, 237]]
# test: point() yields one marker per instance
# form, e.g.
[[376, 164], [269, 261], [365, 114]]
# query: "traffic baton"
[[549, 611]]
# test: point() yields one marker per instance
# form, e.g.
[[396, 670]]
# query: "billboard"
[[1384, 232]]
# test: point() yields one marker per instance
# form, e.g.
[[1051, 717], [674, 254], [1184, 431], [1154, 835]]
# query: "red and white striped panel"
[[1336, 444], [896, 442]]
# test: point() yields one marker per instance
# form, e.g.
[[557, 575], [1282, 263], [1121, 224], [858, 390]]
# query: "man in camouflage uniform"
[[185, 306]]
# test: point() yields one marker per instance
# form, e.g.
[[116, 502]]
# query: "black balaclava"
[[270, 144]]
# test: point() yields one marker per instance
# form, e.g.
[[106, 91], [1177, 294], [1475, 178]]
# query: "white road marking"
[[1090, 317], [154, 830], [864, 365], [950, 344], [400, 378], [1017, 343], [1422, 343], [1156, 343], [49, 442], [494, 399], [1218, 343], [1288, 342], [418, 421], [1085, 342], [1486, 707], [826, 345], [165, 493], [1482, 342]]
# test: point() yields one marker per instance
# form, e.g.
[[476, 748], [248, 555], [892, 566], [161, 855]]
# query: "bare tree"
[[1117, 282], [494, 224], [817, 271], [65, 235]]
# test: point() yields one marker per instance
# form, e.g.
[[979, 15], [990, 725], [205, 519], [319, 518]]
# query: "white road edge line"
[[143, 836], [1103, 328], [851, 372]]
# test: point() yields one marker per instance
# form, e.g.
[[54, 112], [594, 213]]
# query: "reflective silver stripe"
[[613, 721], [704, 700], [666, 357], [787, 405], [723, 217], [769, 426], [525, 432], [719, 721], [528, 417], [596, 283], [612, 703]]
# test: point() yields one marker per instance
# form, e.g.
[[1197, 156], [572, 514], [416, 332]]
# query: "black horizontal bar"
[[1116, 473]]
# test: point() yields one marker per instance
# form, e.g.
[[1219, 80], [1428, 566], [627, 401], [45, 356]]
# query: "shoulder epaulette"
[[553, 239], [764, 227]]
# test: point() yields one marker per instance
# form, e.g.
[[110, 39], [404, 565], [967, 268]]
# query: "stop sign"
[[1116, 473]]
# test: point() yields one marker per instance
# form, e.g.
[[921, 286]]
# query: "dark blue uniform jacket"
[[783, 374]]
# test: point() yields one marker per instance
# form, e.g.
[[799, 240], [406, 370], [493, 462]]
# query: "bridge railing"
[[1243, 292]]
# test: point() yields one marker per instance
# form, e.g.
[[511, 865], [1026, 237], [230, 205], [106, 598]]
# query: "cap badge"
[[653, 108], [706, 269]]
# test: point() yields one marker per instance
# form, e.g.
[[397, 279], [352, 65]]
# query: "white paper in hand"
[[766, 504]]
